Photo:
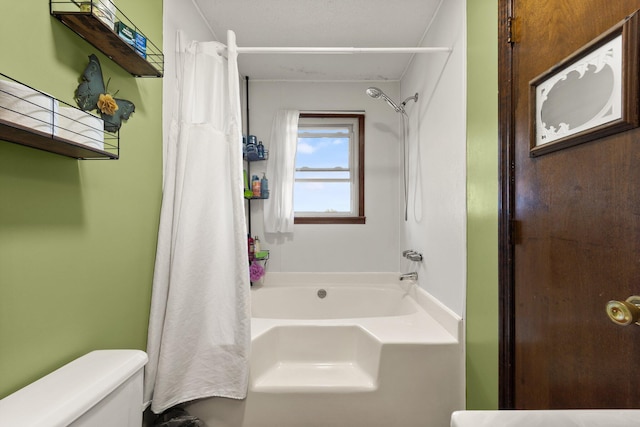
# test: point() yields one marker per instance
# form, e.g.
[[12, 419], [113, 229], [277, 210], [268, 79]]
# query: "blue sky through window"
[[322, 197], [322, 148]]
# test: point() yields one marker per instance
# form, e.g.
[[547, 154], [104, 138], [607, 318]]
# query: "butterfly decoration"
[[92, 94]]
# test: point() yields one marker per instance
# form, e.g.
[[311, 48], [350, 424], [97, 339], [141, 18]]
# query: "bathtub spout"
[[409, 276]]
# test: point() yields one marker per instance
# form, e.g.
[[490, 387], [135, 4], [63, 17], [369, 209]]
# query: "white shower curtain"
[[199, 326], [281, 168]]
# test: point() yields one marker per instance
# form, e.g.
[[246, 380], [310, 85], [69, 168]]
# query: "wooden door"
[[570, 229]]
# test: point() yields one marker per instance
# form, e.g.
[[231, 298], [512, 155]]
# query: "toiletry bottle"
[[255, 186], [252, 148], [248, 192], [256, 245], [252, 249], [264, 187], [260, 150]]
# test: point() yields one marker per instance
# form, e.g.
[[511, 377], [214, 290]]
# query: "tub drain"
[[322, 293]]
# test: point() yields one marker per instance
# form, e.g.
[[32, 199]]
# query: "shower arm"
[[414, 98]]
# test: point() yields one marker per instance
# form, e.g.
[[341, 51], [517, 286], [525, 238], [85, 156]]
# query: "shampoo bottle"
[[255, 186], [247, 189], [264, 187], [251, 247], [260, 150]]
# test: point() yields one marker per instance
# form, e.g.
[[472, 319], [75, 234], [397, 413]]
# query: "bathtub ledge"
[[440, 312]]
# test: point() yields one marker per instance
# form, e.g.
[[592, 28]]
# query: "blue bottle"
[[252, 152], [264, 187], [260, 150]]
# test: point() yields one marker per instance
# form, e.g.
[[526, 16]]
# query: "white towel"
[[26, 107], [80, 127]]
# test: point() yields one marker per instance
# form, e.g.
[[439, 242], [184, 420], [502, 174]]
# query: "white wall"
[[372, 247], [436, 226]]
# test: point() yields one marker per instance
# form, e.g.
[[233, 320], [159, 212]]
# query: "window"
[[329, 178]]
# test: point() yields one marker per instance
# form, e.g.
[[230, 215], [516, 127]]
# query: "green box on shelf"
[[126, 33]]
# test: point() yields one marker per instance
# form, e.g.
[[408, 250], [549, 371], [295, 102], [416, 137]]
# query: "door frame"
[[506, 176]]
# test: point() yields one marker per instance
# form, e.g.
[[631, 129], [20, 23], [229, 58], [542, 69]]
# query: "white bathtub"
[[373, 352]]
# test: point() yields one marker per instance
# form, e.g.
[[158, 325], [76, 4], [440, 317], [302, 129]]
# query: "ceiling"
[[321, 23]]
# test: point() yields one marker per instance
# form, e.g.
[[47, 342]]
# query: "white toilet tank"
[[100, 389]]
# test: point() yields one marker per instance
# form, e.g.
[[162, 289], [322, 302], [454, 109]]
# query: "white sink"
[[550, 418]]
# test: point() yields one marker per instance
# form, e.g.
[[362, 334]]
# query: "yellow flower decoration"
[[107, 104]]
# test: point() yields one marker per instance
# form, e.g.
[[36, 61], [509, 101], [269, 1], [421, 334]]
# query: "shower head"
[[376, 93]]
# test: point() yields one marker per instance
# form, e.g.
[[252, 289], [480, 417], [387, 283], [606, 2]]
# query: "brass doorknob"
[[624, 313]]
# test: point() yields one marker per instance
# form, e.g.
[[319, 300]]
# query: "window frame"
[[359, 217]]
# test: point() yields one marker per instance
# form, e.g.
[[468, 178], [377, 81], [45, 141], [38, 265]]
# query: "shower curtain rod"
[[341, 50]]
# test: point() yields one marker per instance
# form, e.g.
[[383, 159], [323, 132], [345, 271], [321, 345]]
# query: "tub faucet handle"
[[412, 255], [415, 256], [409, 276]]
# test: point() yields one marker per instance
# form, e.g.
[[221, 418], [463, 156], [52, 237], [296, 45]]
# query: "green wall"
[[482, 204], [77, 238]]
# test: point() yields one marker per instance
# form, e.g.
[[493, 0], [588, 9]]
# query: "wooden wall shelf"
[[12, 132], [35, 119], [92, 29]]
